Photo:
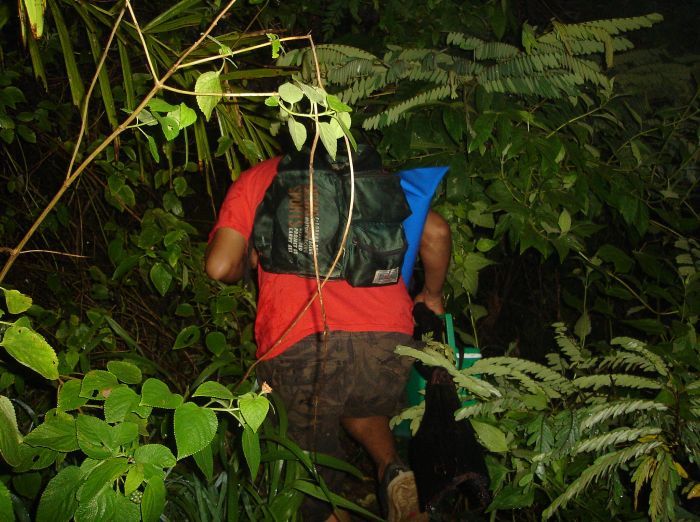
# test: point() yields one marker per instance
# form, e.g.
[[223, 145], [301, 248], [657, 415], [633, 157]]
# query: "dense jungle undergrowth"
[[571, 132]]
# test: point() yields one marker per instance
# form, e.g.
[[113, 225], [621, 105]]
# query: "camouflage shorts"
[[360, 376]]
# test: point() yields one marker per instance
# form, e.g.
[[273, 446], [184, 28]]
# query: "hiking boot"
[[398, 495]]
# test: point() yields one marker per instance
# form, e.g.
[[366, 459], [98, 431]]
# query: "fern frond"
[[495, 51], [550, 85], [634, 345], [614, 437], [466, 68], [432, 358], [642, 475], [617, 380], [622, 25], [494, 368], [661, 488], [351, 71], [467, 43], [414, 415], [338, 54], [567, 345], [607, 411], [603, 465], [626, 361], [486, 408], [363, 88], [548, 376], [549, 44], [397, 112]]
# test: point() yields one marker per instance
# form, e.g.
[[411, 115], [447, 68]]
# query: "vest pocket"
[[374, 254]]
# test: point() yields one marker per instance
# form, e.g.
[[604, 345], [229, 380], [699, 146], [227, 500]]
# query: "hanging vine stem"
[[158, 85]]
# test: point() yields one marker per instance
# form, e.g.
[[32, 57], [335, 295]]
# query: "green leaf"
[[125, 371], [159, 105], [205, 461], [152, 147], [103, 473], [482, 130], [215, 342], [272, 101], [57, 433], [99, 381], [156, 393], [208, 82], [183, 115], [187, 337], [485, 244], [7, 513], [16, 301], [250, 441], [564, 221], [195, 427], [155, 454], [10, 437], [161, 278], [95, 437], [329, 138], [120, 403], [254, 409], [213, 389], [290, 93], [69, 395], [35, 14], [298, 133], [134, 479], [583, 326], [169, 126], [107, 505], [31, 349], [611, 254], [335, 104], [490, 436], [153, 501], [58, 502]]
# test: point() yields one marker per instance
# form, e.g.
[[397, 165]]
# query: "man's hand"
[[433, 302]]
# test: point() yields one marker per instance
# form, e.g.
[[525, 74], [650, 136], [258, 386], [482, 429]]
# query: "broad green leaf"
[[27, 484], [35, 458], [215, 342], [155, 454], [490, 436], [208, 82], [103, 473], [336, 104], [195, 427], [485, 244], [120, 403], [125, 371], [213, 389], [564, 221], [58, 502], [272, 101], [31, 349], [153, 501], [69, 395], [134, 478], [7, 513], [10, 436], [57, 433], [205, 461], [298, 133], [254, 409], [161, 278], [169, 126], [98, 384], [156, 393], [329, 138], [187, 337], [250, 441], [95, 437], [107, 506], [482, 130], [16, 301], [583, 326], [290, 93], [314, 94], [610, 253], [183, 115], [160, 105]]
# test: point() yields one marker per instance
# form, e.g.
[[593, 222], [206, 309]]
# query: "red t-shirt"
[[283, 296]]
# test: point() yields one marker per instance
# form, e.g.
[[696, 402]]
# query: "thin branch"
[[224, 94], [9, 250], [143, 40], [88, 95], [240, 51]]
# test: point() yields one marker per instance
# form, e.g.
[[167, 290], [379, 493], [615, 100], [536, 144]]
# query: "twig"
[[56, 252]]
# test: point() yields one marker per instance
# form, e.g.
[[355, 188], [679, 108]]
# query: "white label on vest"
[[385, 277]]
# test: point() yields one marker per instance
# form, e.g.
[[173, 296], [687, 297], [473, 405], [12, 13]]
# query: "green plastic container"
[[415, 387]]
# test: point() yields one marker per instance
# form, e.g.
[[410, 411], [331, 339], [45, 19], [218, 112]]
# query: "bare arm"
[[435, 250], [225, 256]]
